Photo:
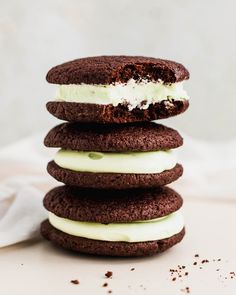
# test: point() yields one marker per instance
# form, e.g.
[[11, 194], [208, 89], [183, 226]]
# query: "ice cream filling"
[[137, 231], [134, 94], [109, 162]]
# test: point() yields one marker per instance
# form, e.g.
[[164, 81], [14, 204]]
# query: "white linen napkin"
[[23, 183]]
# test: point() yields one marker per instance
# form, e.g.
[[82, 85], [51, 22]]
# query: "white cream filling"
[[138, 231], [130, 162], [133, 94]]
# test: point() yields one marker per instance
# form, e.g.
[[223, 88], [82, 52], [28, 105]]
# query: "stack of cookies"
[[114, 162]]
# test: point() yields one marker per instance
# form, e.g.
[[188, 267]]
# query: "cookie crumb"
[[196, 255], [105, 285], [75, 282], [132, 269], [195, 263], [109, 274], [174, 279], [109, 291], [185, 290]]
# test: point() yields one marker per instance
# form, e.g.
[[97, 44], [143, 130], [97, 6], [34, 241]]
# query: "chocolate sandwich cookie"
[[116, 223], [114, 156], [118, 89]]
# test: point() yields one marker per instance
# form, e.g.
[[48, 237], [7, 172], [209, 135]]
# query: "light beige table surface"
[[37, 267]]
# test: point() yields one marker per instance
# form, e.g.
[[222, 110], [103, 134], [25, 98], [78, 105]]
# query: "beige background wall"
[[35, 35]]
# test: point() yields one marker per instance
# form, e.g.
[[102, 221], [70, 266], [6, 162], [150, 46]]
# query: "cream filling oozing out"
[[133, 94], [130, 162], [138, 231]]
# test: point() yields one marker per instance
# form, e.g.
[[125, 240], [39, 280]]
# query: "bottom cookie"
[[96, 247], [113, 180], [90, 112]]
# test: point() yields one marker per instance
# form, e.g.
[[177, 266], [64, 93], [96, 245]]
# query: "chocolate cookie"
[[111, 69], [107, 206], [113, 180], [144, 136], [96, 247], [85, 112]]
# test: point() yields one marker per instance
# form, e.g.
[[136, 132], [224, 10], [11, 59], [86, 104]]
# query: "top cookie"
[[139, 137], [118, 89], [112, 69], [109, 206]]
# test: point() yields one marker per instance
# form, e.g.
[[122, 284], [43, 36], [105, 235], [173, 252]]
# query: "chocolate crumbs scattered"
[[181, 272], [105, 285]]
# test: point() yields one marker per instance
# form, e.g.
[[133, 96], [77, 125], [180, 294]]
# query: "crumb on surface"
[[132, 269], [185, 290], [109, 274], [75, 282], [105, 285]]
